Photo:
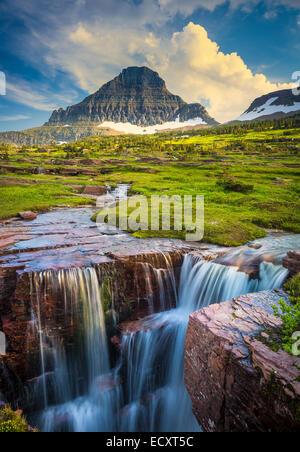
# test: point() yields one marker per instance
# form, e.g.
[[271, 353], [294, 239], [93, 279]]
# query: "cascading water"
[[85, 395], [80, 393], [156, 395], [162, 278]]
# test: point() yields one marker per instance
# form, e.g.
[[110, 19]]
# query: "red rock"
[[292, 262], [236, 382], [88, 172], [95, 190], [28, 215]]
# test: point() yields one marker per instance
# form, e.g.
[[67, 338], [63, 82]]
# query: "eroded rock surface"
[[292, 262], [236, 382]]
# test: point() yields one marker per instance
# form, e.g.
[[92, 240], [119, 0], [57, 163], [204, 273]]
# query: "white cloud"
[[187, 7], [22, 93], [271, 14], [199, 69], [190, 62], [91, 41], [14, 118]]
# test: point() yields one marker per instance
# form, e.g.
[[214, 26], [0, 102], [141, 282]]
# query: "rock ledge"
[[235, 381]]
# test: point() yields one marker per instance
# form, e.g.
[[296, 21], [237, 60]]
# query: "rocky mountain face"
[[138, 96], [273, 105]]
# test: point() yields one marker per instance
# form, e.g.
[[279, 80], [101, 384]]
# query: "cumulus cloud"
[[190, 62], [199, 69], [91, 41]]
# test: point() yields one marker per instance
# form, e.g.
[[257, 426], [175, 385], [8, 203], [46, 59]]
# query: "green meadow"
[[248, 174]]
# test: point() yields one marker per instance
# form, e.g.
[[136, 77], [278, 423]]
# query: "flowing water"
[[145, 391]]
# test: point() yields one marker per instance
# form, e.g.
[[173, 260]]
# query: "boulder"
[[68, 171], [292, 262], [28, 215], [88, 172], [236, 382], [95, 190]]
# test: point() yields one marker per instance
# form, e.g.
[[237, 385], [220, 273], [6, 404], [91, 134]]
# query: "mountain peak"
[[138, 95], [141, 75], [273, 105]]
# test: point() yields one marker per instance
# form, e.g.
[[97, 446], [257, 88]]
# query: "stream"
[[144, 391]]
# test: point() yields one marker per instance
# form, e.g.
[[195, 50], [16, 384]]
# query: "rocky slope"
[[273, 105], [138, 96]]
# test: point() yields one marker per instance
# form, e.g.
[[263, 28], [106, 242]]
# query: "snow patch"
[[127, 127], [268, 109]]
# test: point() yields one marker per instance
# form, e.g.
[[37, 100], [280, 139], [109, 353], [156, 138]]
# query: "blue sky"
[[223, 53]]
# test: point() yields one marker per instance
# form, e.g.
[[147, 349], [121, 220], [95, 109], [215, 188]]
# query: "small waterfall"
[[80, 386], [158, 282], [156, 395], [204, 283]]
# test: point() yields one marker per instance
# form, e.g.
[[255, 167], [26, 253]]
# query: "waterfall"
[[153, 357], [80, 392], [160, 284], [145, 392], [204, 283]]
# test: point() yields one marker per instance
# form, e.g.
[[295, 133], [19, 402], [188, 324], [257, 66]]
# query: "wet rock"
[[236, 382], [255, 246], [28, 215], [292, 262]]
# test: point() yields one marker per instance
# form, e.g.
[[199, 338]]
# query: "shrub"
[[292, 287], [13, 421], [290, 316], [230, 184]]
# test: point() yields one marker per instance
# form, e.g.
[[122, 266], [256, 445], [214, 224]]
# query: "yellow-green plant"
[[13, 421]]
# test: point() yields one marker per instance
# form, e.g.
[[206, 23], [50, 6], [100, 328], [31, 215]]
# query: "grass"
[[249, 178], [39, 198]]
